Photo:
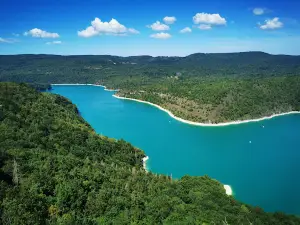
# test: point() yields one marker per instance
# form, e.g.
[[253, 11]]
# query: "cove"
[[259, 160]]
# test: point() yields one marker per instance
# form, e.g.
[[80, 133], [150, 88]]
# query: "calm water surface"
[[260, 160]]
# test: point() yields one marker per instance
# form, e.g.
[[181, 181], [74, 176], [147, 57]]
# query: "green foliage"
[[200, 87], [40, 86], [67, 174], [90, 69], [220, 99]]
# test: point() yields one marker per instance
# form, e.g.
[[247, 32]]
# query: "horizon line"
[[205, 53]]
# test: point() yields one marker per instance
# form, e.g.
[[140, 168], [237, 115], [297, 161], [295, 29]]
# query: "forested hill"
[[72, 69], [54, 169], [200, 87]]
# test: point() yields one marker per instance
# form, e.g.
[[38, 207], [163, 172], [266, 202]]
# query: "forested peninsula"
[[54, 169], [206, 88]]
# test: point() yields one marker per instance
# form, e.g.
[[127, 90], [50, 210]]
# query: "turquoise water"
[[262, 173]]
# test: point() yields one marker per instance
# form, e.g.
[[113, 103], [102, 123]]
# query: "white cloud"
[[186, 30], [258, 11], [113, 27], [169, 19], [41, 33], [4, 40], [159, 26], [205, 27], [213, 19], [161, 35], [271, 24], [16, 35], [133, 31], [7, 40], [88, 32], [108, 27], [53, 43]]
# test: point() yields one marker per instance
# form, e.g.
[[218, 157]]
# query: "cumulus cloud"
[[186, 30], [271, 24], [40, 33], [159, 26], [258, 11], [161, 35], [88, 32], [206, 18], [113, 27], [53, 43], [204, 27], [169, 19]]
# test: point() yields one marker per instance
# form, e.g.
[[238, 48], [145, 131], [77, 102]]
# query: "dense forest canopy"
[[73, 69], [199, 87], [54, 169]]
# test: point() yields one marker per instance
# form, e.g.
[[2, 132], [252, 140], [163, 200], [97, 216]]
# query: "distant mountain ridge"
[[202, 53], [254, 56], [242, 63]]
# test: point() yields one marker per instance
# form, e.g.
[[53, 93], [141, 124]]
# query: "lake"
[[259, 160]]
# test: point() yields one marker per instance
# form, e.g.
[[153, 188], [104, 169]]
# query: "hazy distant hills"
[[56, 68], [201, 59]]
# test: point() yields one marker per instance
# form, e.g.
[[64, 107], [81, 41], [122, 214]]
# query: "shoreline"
[[187, 121], [207, 124], [228, 189], [145, 163], [97, 85]]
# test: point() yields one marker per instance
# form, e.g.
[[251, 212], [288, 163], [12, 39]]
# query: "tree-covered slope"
[[216, 100], [54, 169], [72, 69], [199, 87]]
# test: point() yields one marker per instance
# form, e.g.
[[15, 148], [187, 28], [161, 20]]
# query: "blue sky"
[[144, 27]]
